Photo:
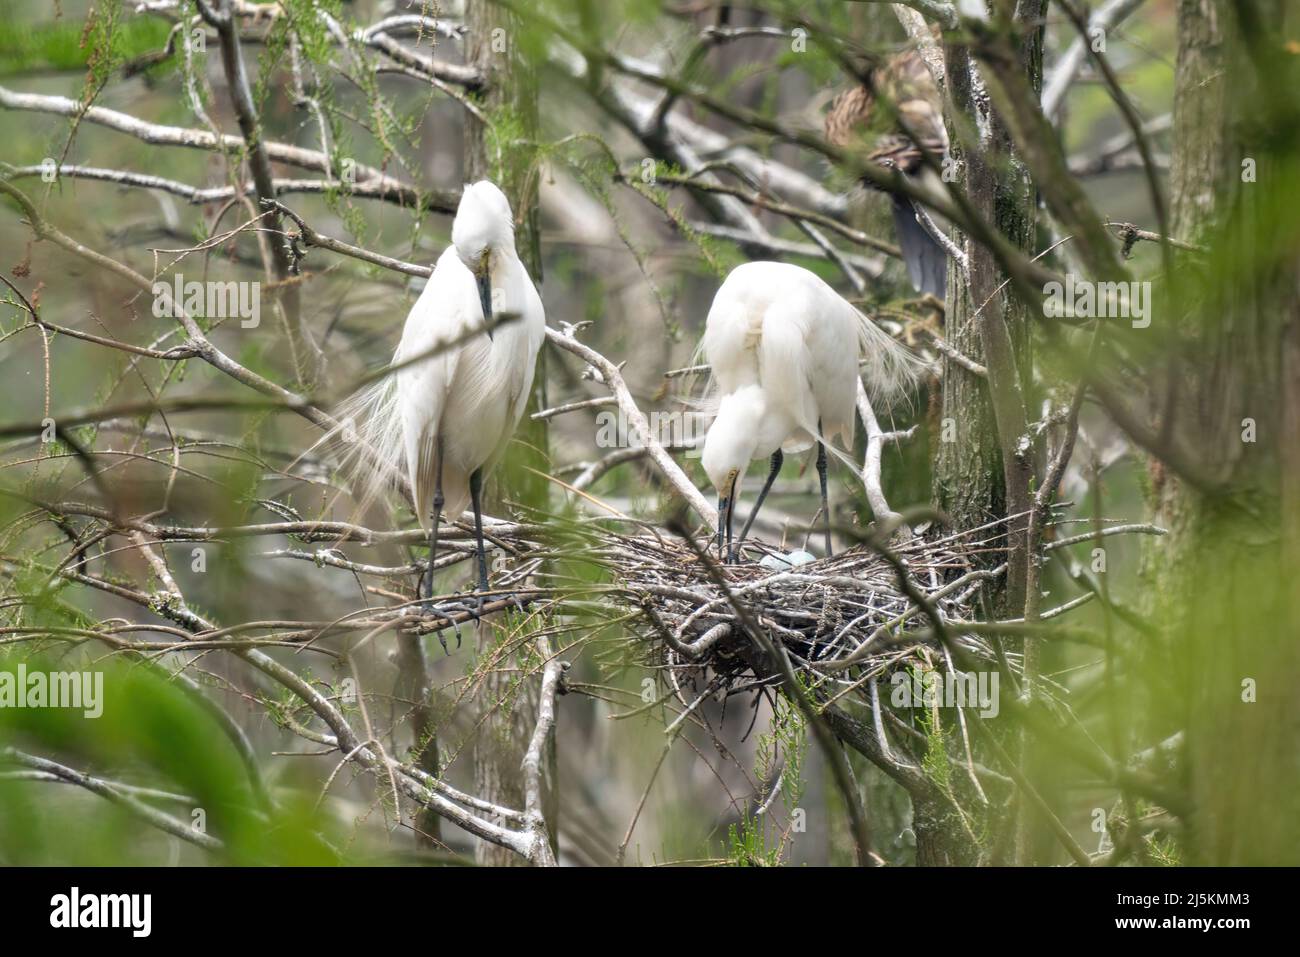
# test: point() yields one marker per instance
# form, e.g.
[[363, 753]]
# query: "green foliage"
[[708, 247], [100, 45], [275, 51], [307, 18], [781, 750], [1163, 850], [747, 845], [103, 43], [935, 761], [150, 727]]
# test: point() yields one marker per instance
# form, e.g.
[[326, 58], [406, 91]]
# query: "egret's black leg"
[[821, 476], [426, 591], [731, 510], [476, 497], [777, 459]]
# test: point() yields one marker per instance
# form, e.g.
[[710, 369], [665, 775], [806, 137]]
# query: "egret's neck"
[[745, 406], [502, 254], [732, 438], [749, 412], [506, 274]]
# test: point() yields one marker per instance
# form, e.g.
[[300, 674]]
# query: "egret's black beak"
[[484, 279], [726, 506], [724, 509]]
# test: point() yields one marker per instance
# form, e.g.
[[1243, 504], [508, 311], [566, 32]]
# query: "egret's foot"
[[469, 603], [737, 555], [482, 597], [428, 608], [510, 596]]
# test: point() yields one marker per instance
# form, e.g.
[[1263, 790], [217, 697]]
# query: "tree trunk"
[[507, 704], [413, 686], [977, 478]]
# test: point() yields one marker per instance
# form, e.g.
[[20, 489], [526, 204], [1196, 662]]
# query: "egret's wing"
[[523, 365], [809, 357], [446, 311], [515, 354], [833, 351], [520, 358], [733, 335], [787, 365]]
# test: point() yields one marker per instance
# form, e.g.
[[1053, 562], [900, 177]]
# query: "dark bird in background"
[[862, 118]]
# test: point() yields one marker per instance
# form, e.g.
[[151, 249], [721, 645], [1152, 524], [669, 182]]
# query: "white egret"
[[784, 348], [444, 418]]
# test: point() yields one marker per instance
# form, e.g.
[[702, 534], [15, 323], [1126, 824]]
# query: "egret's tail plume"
[[892, 370], [368, 442]]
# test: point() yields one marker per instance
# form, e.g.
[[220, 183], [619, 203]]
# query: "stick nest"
[[845, 619]]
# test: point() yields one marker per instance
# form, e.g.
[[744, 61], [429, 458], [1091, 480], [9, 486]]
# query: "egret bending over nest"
[[445, 420], [784, 348]]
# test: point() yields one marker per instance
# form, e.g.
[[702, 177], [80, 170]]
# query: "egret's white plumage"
[[784, 349], [461, 403], [471, 397]]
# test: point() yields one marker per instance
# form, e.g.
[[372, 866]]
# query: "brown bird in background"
[[862, 118]]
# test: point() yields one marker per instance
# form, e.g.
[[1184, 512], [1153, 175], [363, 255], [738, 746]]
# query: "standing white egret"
[[445, 420], [784, 348]]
